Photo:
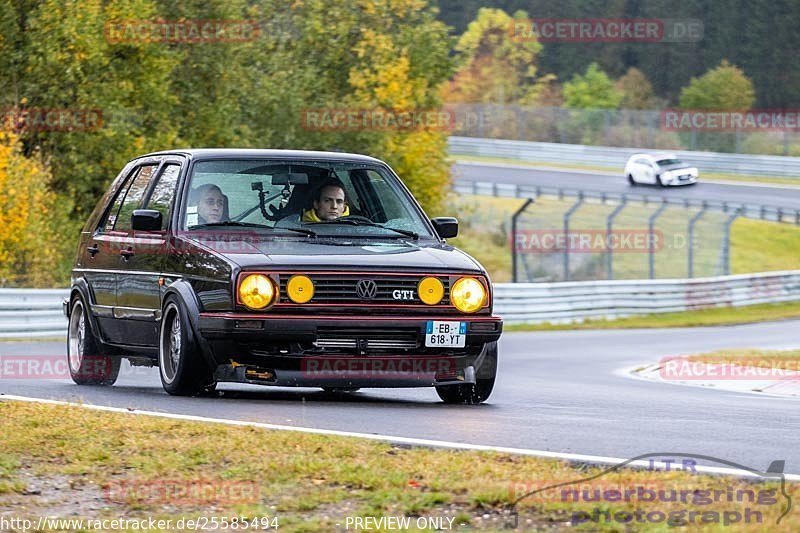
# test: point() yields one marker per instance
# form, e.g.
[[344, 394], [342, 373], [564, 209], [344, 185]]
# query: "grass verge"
[[485, 227], [58, 461], [721, 316]]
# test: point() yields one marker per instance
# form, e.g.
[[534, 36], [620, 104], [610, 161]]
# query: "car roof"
[[657, 156], [223, 153]]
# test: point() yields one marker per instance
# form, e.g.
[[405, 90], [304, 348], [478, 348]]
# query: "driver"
[[330, 203]]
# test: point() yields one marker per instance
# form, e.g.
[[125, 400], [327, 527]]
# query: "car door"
[[138, 307], [100, 261], [645, 169]]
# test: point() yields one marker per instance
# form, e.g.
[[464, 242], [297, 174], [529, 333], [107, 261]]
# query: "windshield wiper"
[[299, 230], [230, 223], [414, 235], [237, 224]]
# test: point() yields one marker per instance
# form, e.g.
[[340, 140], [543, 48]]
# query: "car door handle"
[[93, 249], [126, 253]]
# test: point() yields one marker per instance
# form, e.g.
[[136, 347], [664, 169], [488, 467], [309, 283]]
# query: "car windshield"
[[669, 162], [302, 198]]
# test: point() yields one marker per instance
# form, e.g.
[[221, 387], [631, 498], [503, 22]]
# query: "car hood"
[[355, 254], [678, 167]]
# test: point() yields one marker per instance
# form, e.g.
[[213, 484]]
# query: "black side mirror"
[[146, 220], [446, 227]]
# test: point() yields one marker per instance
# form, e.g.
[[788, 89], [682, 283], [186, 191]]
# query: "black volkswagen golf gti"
[[272, 267]]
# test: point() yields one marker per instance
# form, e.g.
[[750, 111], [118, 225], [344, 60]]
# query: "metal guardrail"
[[32, 313], [512, 190], [566, 302], [36, 313], [615, 158]]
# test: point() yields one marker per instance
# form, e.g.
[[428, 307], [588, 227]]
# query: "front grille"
[[371, 344], [341, 289]]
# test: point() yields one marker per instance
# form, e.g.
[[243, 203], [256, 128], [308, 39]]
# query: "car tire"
[[659, 182], [478, 392], [181, 366], [87, 366], [631, 181]]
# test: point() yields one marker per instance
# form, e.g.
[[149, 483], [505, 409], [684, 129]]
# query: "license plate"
[[445, 334]]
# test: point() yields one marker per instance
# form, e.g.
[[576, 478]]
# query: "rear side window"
[[133, 198], [164, 192]]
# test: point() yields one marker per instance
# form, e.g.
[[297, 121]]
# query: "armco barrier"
[[32, 313], [36, 313], [577, 301], [615, 158]]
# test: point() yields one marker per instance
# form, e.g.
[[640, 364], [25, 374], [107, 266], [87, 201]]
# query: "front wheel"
[[478, 392], [181, 367], [87, 366], [631, 181]]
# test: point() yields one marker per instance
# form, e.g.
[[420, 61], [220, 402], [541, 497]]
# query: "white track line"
[[389, 438]]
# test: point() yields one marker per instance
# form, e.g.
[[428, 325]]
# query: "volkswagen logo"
[[366, 289]]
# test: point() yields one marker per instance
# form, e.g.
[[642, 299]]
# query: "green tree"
[[725, 88], [592, 90]]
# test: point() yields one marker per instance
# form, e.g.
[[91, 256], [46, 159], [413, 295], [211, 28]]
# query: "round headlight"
[[430, 290], [468, 295], [300, 289], [256, 291]]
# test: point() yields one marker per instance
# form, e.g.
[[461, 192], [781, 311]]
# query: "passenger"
[[330, 203], [211, 204]]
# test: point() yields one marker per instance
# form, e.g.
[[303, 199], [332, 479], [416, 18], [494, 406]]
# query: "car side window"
[[110, 217], [134, 196], [163, 192]]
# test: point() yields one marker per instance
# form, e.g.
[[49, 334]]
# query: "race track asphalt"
[[557, 391], [763, 194]]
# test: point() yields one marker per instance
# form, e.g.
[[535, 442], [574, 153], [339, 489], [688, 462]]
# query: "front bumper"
[[342, 351], [677, 180]]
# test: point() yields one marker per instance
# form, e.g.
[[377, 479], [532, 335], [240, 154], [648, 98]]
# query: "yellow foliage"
[[31, 221]]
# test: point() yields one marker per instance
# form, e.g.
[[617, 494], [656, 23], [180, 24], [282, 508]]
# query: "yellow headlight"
[[300, 289], [468, 295], [256, 291], [430, 290]]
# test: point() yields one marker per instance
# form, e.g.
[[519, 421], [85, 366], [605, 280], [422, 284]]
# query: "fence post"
[[514, 217], [650, 223], [609, 227], [692, 223], [567, 216], [726, 242]]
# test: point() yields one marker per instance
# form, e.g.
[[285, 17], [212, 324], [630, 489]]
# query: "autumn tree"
[[33, 223], [636, 90], [498, 64]]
